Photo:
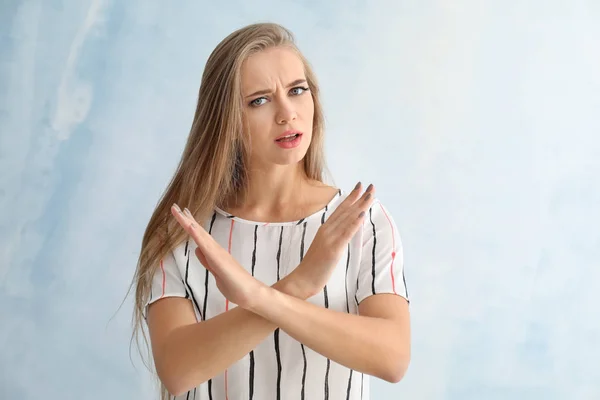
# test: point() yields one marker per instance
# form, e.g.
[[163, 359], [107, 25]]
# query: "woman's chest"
[[269, 253]]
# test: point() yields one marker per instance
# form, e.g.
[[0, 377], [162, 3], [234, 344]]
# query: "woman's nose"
[[286, 112]]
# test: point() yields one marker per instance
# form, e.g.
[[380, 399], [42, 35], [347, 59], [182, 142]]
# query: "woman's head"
[[234, 130], [260, 58], [276, 101]]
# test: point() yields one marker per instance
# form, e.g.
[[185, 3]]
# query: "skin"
[[279, 190], [187, 352]]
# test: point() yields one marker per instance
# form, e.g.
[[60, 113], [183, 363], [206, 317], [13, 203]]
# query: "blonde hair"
[[212, 166]]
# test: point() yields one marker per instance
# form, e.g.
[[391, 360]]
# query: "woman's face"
[[277, 102]]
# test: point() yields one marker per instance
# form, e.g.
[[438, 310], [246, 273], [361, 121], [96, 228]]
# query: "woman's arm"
[[347, 339], [188, 353], [377, 342]]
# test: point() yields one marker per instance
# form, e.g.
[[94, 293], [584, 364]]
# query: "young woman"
[[270, 284]]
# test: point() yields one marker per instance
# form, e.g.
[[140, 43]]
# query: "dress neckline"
[[316, 214]]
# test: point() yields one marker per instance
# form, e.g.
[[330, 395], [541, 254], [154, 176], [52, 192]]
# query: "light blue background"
[[478, 122]]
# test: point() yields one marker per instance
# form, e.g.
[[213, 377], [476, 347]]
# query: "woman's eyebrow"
[[267, 91]]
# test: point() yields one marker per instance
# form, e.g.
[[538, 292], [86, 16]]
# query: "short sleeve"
[[382, 260], [166, 281]]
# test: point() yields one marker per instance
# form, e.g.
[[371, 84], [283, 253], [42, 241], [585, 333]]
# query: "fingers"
[[359, 206], [365, 200], [348, 202], [191, 226], [353, 205], [352, 197], [349, 220]]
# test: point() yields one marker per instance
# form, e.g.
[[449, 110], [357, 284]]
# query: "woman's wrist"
[[294, 285], [291, 285]]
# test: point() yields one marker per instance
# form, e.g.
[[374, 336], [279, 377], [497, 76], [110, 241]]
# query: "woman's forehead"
[[268, 67]]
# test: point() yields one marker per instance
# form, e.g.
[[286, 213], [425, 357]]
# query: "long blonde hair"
[[212, 166]]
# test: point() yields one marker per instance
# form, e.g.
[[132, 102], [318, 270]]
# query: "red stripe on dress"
[[164, 279], [393, 249]]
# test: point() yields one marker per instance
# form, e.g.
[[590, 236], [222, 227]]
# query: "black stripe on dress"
[[206, 277], [326, 301], [346, 280], [254, 250], [301, 344], [188, 394], [373, 255], [276, 334], [303, 371], [349, 386], [279, 251], [278, 357], [404, 281], [302, 242], [187, 294], [251, 374], [327, 379], [251, 379], [355, 297], [325, 296], [348, 311], [189, 288]]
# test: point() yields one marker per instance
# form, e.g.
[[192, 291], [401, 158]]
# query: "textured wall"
[[476, 120]]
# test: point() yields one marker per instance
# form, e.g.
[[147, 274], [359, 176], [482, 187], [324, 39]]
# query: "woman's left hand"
[[236, 284]]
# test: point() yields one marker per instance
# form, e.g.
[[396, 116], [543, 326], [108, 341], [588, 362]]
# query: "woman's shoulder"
[[378, 205], [181, 250]]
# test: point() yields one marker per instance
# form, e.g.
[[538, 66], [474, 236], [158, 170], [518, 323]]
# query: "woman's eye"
[[257, 102], [298, 90]]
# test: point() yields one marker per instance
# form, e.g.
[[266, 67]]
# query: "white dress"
[[281, 368]]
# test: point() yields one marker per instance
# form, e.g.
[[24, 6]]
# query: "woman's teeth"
[[287, 138]]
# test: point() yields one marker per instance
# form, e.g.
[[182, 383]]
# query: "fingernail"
[[368, 197], [370, 187], [177, 207], [357, 186], [362, 214], [188, 213]]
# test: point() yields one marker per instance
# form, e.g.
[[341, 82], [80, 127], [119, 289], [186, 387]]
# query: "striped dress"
[[280, 367]]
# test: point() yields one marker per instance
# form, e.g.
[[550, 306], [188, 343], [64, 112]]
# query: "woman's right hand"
[[331, 240]]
